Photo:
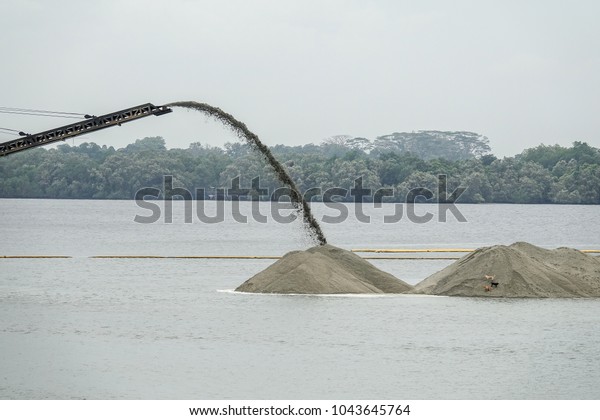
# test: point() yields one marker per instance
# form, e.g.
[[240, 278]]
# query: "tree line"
[[400, 161]]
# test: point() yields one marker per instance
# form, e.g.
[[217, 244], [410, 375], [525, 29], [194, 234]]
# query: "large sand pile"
[[521, 270], [323, 269]]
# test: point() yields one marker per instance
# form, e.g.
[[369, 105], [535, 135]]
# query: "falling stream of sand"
[[240, 129]]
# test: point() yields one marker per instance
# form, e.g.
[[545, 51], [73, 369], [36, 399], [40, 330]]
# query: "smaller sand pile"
[[518, 270], [323, 269]]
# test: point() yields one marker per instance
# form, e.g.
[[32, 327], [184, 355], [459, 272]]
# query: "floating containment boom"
[[92, 123]]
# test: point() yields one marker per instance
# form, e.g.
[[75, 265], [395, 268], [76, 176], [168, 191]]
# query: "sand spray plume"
[[240, 129]]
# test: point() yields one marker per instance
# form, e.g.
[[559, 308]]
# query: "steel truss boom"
[[77, 129]]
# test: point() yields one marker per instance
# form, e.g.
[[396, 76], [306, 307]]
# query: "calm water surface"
[[107, 328]]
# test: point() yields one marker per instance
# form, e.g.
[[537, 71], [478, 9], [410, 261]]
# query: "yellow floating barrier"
[[126, 256], [407, 251], [411, 258], [34, 256], [190, 257]]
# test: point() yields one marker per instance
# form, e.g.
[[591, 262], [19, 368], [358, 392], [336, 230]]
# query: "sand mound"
[[521, 270], [323, 269]]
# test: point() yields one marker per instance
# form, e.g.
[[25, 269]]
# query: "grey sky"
[[519, 72]]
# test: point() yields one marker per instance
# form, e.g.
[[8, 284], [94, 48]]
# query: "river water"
[[171, 328]]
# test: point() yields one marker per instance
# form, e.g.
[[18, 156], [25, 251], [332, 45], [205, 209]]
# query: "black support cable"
[[38, 111], [40, 114], [9, 129]]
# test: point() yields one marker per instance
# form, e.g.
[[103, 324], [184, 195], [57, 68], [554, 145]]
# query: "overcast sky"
[[519, 72]]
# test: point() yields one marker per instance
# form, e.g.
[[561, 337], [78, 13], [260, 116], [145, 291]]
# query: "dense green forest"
[[402, 161]]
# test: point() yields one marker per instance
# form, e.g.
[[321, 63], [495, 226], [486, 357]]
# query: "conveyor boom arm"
[[80, 128]]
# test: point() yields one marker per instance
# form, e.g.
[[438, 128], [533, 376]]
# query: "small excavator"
[[91, 123]]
